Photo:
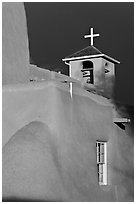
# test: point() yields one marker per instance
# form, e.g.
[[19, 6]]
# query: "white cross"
[[91, 36]]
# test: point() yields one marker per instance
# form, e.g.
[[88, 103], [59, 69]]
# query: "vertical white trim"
[[105, 165], [71, 84], [70, 71], [70, 74]]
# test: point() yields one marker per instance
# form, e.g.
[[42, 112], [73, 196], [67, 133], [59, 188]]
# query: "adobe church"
[[62, 138]]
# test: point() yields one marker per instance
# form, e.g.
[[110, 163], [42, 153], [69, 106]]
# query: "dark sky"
[[57, 29]]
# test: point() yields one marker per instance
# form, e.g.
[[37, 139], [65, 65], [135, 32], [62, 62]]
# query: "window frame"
[[101, 154]]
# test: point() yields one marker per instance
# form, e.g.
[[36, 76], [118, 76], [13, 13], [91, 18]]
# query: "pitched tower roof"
[[88, 52]]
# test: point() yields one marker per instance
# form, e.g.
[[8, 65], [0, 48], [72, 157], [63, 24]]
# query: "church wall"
[[39, 74], [15, 53], [98, 73], [76, 66], [109, 78], [74, 125], [121, 158]]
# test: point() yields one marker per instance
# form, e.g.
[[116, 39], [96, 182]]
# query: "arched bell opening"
[[87, 70]]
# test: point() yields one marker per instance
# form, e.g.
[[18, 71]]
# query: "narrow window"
[[102, 162], [88, 72], [107, 68]]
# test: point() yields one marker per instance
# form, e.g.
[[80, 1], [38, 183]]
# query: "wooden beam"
[[86, 69], [121, 120]]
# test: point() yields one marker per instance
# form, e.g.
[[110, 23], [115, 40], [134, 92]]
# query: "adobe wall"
[[51, 145], [15, 52]]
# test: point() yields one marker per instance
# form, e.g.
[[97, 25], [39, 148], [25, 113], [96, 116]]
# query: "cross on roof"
[[91, 36]]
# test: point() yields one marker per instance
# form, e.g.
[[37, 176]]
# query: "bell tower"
[[93, 68]]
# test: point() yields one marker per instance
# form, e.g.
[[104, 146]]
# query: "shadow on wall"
[[126, 111], [16, 199]]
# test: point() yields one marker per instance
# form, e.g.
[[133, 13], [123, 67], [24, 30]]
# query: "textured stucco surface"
[[15, 53], [49, 145]]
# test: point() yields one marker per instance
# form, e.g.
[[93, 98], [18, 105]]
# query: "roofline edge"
[[112, 59], [83, 57], [91, 56]]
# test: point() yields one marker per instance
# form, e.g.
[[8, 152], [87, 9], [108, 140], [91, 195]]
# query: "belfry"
[[93, 68]]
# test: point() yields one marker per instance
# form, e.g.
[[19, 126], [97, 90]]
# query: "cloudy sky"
[[57, 29]]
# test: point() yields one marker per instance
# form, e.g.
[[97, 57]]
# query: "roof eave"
[[111, 59], [82, 57], [91, 56]]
